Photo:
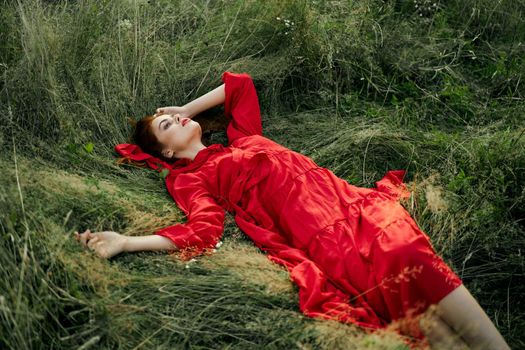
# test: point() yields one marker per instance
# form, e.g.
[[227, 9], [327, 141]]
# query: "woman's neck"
[[191, 151]]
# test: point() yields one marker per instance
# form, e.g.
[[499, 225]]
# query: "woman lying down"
[[355, 253]]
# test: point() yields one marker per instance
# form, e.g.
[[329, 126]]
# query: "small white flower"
[[189, 262], [219, 243], [124, 23], [362, 79], [278, 18]]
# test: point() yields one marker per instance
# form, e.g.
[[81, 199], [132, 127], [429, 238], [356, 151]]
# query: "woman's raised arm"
[[241, 105], [211, 99]]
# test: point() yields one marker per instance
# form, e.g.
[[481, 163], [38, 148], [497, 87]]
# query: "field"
[[361, 87]]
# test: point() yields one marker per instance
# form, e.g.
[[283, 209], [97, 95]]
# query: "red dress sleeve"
[[242, 105], [205, 223]]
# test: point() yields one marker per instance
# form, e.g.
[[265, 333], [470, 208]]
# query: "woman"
[[355, 253]]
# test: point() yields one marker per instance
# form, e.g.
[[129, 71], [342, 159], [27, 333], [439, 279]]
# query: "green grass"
[[361, 87]]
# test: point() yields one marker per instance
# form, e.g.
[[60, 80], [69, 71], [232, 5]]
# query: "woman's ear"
[[168, 153]]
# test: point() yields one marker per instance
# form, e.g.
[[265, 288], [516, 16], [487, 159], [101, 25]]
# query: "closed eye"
[[166, 125]]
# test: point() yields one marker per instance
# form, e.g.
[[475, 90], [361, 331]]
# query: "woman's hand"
[[183, 111], [106, 244]]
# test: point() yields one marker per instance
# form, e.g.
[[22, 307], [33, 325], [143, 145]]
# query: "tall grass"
[[361, 87]]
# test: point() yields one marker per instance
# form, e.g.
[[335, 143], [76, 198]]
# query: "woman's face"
[[175, 133]]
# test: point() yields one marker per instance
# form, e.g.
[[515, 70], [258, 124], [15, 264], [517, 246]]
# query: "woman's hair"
[[144, 137]]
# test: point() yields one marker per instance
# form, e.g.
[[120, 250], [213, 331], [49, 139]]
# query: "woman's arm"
[[149, 242], [241, 105], [211, 99], [107, 244]]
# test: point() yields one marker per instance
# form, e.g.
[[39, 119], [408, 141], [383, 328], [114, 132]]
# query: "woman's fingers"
[[105, 244], [92, 242], [99, 242], [84, 237], [175, 110]]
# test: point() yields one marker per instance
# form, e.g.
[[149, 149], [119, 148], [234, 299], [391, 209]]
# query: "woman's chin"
[[199, 129]]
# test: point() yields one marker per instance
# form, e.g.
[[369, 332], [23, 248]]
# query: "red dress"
[[355, 253]]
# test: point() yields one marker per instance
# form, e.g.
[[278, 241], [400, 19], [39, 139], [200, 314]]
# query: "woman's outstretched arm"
[[107, 244], [149, 242]]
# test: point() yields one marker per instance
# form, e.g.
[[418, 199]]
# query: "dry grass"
[[252, 266]]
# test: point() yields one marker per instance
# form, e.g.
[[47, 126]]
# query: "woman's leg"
[[407, 270], [462, 313], [438, 333]]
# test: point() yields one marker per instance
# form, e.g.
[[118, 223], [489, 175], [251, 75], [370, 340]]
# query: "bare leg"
[[463, 314], [438, 333]]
